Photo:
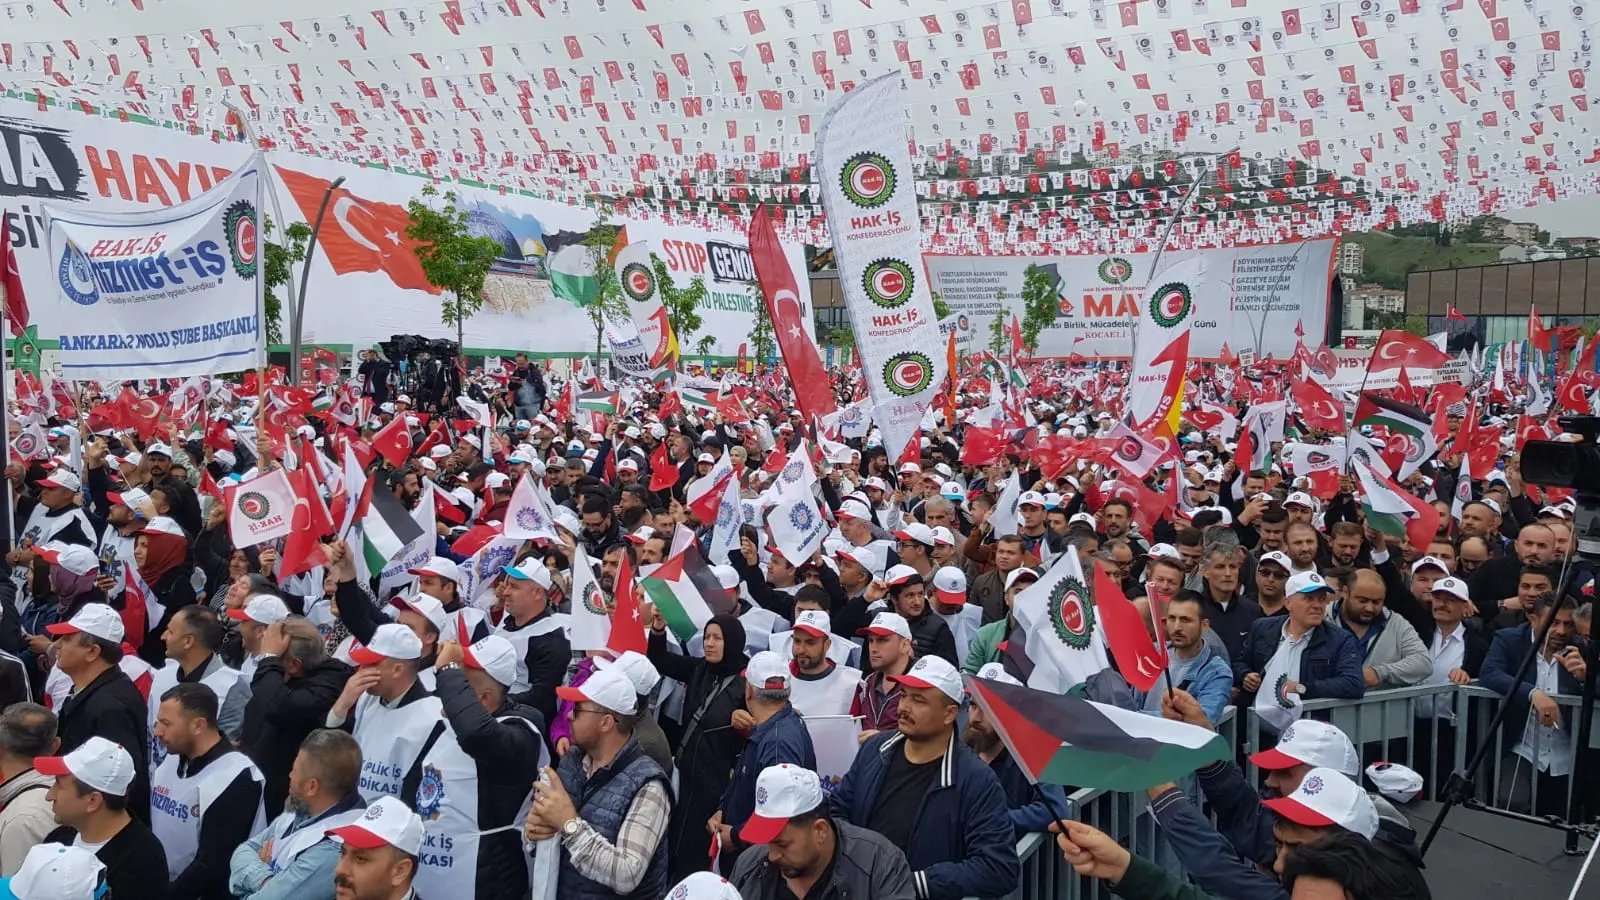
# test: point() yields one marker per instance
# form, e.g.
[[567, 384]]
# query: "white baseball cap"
[[1326, 798], [782, 792], [871, 557], [494, 656], [636, 666], [1019, 573], [1306, 583], [440, 567], [62, 478], [628, 465], [263, 609], [495, 481], [918, 532], [1307, 742], [1398, 783], [390, 641], [640, 535], [56, 872], [94, 619], [1084, 518], [768, 671], [997, 672], [530, 569], [426, 606], [1163, 551], [1455, 587], [901, 574], [942, 537], [439, 451], [164, 525], [1300, 498], [1427, 561], [105, 766], [387, 821], [1030, 498], [75, 558], [1277, 557], [853, 509], [133, 498], [933, 672], [952, 490], [888, 623], [703, 886], [814, 621], [605, 688], [158, 448], [705, 458], [950, 585]]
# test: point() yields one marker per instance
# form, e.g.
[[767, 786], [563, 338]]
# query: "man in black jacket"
[[505, 739], [374, 374], [538, 632], [90, 800], [294, 687], [104, 702]]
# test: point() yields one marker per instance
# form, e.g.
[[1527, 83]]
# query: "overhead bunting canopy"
[[1036, 126]]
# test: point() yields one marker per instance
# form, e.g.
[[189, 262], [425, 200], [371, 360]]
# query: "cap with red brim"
[[358, 837], [759, 829], [1275, 760], [1298, 812]]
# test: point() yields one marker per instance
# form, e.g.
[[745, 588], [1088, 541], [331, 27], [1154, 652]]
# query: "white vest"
[[519, 641], [41, 527], [841, 649], [286, 849], [177, 805], [447, 801], [164, 679], [830, 696], [391, 739], [964, 626]]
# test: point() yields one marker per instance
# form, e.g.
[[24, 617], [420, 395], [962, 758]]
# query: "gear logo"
[[1280, 693], [802, 517], [240, 224], [430, 793], [907, 374], [1170, 304], [638, 282], [794, 470], [254, 505], [530, 519], [868, 180], [594, 601], [888, 283], [1072, 614], [77, 279], [1115, 270], [1129, 449]]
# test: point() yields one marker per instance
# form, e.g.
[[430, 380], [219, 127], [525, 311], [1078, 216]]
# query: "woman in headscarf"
[[710, 745], [161, 551], [56, 596]]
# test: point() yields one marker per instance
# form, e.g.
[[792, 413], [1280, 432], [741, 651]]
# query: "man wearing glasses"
[[1300, 653]]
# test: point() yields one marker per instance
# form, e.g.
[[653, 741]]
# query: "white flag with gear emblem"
[[262, 509], [591, 621], [1065, 639]]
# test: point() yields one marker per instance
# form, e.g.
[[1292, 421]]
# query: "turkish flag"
[[360, 235], [790, 324], [1140, 659], [1398, 349], [393, 442], [1318, 407], [627, 626], [663, 474], [11, 283], [303, 548]]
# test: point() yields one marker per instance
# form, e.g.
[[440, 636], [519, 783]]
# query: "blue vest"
[[603, 802]]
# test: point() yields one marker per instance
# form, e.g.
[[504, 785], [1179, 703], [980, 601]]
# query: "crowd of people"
[[194, 718]]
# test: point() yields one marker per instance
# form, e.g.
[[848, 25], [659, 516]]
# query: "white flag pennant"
[[530, 516]]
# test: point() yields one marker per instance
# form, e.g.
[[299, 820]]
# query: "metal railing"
[[1400, 725]]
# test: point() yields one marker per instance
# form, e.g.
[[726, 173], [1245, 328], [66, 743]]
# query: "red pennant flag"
[[393, 442], [1398, 349], [663, 474], [1140, 659], [16, 302], [812, 386], [627, 625]]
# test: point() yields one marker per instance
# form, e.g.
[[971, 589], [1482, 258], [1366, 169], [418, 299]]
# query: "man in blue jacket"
[[1537, 730], [931, 795], [778, 736], [1305, 654], [1032, 807], [1194, 668]]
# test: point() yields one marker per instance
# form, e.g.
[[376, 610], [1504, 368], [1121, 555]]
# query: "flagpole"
[[8, 523]]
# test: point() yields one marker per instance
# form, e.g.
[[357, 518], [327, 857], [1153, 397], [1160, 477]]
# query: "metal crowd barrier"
[[1401, 725]]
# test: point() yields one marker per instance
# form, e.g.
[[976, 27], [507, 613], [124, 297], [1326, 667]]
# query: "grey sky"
[[1575, 217]]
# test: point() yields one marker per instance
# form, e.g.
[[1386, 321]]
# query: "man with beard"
[[908, 596], [407, 488], [889, 653], [949, 602], [1272, 573], [1028, 811], [821, 686], [293, 856], [802, 851], [378, 853], [1116, 521], [1345, 543], [1192, 665], [1394, 655]]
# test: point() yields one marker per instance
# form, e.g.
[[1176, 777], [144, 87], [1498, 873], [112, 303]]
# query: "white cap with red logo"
[[782, 792], [950, 586], [933, 672], [387, 821], [94, 619], [97, 762]]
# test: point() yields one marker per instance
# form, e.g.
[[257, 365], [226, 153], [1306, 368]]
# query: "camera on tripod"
[[1574, 465]]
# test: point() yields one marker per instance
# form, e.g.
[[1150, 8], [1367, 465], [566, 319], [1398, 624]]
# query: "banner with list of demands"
[[164, 293], [1252, 297]]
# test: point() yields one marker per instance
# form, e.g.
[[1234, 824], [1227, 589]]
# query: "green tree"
[[1039, 305], [608, 302], [283, 255], [1417, 324], [762, 341], [452, 258], [681, 304], [997, 325]]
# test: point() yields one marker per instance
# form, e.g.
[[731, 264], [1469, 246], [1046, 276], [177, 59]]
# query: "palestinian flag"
[[701, 400], [386, 527], [1394, 511], [1399, 419], [1067, 740], [603, 402], [687, 593]]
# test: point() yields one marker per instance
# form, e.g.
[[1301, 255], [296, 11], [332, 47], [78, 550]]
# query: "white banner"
[[366, 282], [1352, 373], [869, 194], [1161, 347], [161, 293], [1252, 297], [637, 279], [960, 325]]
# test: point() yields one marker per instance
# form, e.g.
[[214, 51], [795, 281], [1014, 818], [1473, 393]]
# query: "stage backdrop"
[[365, 282], [1253, 297]]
